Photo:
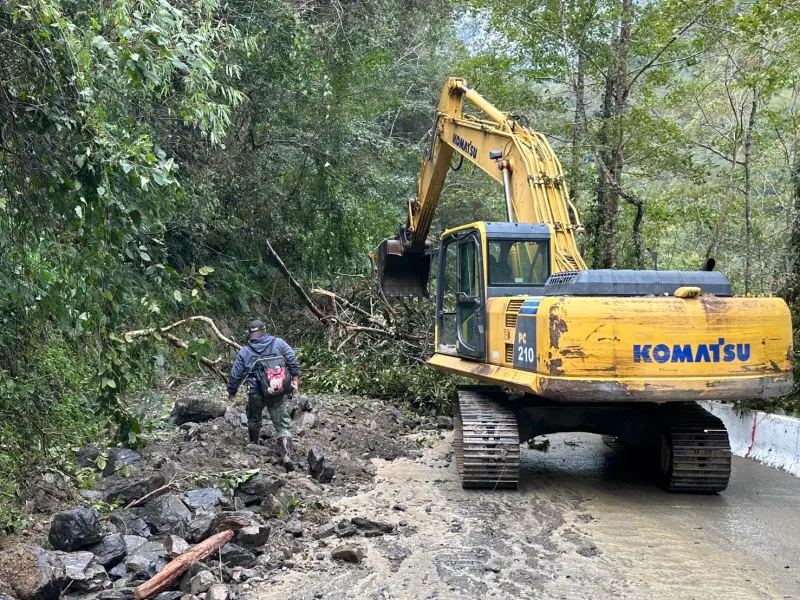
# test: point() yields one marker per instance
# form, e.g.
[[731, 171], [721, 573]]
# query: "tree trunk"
[[611, 219], [793, 288], [748, 144], [577, 132], [596, 225]]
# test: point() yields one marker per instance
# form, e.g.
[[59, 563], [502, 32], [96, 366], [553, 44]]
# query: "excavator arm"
[[519, 159]]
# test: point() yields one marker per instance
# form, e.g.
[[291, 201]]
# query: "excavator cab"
[[479, 262]]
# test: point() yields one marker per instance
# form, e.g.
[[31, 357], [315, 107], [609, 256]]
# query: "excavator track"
[[486, 439], [695, 452]]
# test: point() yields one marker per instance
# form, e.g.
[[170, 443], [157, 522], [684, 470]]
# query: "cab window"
[[522, 263]]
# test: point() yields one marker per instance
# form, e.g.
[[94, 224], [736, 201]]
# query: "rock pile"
[[279, 520]]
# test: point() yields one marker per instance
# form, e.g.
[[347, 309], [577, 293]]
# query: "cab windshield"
[[518, 263]]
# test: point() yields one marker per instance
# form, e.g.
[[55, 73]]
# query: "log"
[[164, 578]]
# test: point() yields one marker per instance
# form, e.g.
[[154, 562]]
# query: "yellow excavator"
[[621, 353]]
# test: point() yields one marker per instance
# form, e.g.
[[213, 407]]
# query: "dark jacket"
[[248, 354]]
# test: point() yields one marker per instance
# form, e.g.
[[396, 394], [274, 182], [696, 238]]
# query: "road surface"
[[585, 524]]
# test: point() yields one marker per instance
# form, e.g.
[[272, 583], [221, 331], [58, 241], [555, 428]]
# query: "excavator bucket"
[[403, 273]]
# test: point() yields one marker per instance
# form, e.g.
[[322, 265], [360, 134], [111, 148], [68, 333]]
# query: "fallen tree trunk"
[[164, 578]]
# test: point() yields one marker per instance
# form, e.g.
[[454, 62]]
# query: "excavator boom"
[[518, 158]]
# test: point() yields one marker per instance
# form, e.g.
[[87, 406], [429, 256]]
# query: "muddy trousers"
[[278, 407]]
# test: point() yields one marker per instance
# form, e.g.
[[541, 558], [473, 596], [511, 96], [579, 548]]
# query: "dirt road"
[[584, 524]]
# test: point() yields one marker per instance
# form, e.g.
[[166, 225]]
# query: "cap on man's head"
[[257, 330]]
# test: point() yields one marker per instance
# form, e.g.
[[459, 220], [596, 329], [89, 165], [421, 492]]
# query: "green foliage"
[[377, 374]]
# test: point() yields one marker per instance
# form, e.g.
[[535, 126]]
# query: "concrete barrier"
[[770, 439]]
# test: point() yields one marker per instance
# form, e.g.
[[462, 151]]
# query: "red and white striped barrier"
[[770, 439]]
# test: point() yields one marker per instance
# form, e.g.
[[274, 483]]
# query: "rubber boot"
[[253, 433], [285, 452]]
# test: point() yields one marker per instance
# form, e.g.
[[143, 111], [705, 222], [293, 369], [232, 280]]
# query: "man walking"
[[263, 363]]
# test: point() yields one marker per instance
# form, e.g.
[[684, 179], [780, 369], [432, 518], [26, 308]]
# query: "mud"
[[587, 523]]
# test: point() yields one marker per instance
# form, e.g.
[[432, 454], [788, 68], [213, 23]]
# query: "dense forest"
[[155, 156]]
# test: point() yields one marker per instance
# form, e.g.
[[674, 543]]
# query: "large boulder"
[[203, 498], [197, 410], [167, 514], [110, 550], [33, 573], [75, 529], [128, 491]]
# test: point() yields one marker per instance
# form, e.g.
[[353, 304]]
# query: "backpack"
[[271, 374]]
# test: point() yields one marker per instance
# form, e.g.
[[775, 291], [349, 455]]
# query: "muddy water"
[[585, 524]]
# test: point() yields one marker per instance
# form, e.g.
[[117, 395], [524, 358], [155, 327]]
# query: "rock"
[[140, 566], [74, 529], [133, 542], [346, 529], [83, 571], [119, 458], [395, 414], [315, 458], [325, 531], [235, 418], [33, 573], [145, 560], [167, 514], [127, 491], [400, 507], [236, 556], [201, 582], [306, 486], [217, 591], [493, 566], [198, 527], [192, 431], [319, 467], [6, 597], [118, 571], [128, 522], [203, 498], [308, 421], [443, 422], [348, 553], [294, 527], [173, 595], [110, 550], [271, 506], [174, 546], [185, 582], [118, 594], [92, 495], [369, 525], [257, 487], [197, 410], [252, 536]]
